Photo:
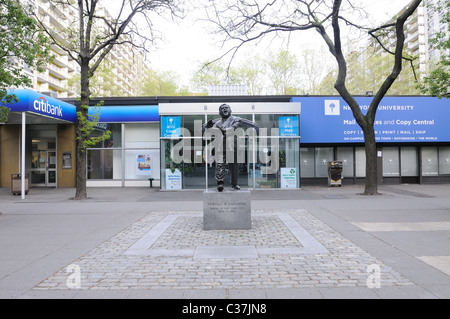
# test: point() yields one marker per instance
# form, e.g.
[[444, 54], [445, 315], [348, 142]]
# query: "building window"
[[307, 162], [323, 156], [345, 154], [391, 162], [135, 158], [444, 160], [104, 164], [142, 151], [104, 159], [435, 161], [410, 163], [360, 162], [273, 163], [430, 160], [115, 139]]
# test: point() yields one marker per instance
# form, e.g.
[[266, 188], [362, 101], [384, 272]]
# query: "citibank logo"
[[332, 107], [43, 106]]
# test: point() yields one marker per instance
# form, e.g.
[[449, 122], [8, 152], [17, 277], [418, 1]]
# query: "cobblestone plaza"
[[315, 242], [282, 250]]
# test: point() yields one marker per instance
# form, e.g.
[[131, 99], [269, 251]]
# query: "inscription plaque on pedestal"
[[226, 210]]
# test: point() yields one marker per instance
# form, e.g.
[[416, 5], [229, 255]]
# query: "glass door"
[[38, 167], [51, 168], [43, 163]]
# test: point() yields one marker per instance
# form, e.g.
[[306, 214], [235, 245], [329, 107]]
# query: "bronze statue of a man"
[[225, 123]]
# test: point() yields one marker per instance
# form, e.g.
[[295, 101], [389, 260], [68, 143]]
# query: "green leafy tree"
[[437, 83], [161, 84], [211, 73], [367, 71], [313, 67], [283, 70], [102, 84], [21, 44], [251, 73]]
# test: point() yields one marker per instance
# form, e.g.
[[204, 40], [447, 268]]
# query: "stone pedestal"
[[227, 210]]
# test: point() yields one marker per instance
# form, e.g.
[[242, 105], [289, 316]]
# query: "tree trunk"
[[371, 186], [81, 193], [82, 111]]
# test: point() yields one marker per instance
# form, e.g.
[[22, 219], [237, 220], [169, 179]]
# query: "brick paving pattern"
[[189, 229], [342, 264]]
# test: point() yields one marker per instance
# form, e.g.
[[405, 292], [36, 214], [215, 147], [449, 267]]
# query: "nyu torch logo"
[[43, 106], [332, 107]]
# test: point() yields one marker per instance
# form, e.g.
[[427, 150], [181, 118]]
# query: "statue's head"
[[225, 110]]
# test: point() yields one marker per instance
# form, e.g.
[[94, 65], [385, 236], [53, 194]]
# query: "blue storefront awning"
[[44, 105], [40, 104], [126, 113]]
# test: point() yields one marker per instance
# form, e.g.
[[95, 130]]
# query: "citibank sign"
[[44, 105], [41, 105]]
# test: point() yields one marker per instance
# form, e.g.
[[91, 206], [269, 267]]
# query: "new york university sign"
[[398, 119]]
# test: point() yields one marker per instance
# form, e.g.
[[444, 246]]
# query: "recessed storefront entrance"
[[44, 160], [38, 142]]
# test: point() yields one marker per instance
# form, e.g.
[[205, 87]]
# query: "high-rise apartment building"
[[53, 80], [420, 28], [433, 25], [126, 62], [371, 62]]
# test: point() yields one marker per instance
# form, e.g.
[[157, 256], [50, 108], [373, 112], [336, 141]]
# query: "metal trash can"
[[16, 184], [335, 173]]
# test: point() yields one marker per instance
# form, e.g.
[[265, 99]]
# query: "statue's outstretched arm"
[[209, 124], [249, 123]]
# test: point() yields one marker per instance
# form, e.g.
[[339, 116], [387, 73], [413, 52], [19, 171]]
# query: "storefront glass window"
[[410, 165], [266, 160], [268, 165], [430, 161], [115, 140], [323, 156], [193, 123], [345, 154], [306, 162], [267, 121], [171, 171], [141, 164], [360, 162], [444, 160], [288, 175], [142, 160], [104, 164], [391, 163]]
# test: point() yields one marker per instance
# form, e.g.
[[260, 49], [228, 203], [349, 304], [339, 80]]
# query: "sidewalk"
[[316, 242]]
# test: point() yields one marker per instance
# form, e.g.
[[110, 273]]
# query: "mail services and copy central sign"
[[398, 119]]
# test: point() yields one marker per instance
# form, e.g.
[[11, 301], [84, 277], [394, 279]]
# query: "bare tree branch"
[[93, 36], [239, 22]]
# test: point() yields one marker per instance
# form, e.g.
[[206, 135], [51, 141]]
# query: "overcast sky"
[[188, 43]]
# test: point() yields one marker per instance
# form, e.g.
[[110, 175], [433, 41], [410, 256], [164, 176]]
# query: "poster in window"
[[143, 164]]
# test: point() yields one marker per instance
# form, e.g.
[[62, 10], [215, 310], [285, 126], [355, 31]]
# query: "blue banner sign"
[[171, 126], [126, 113], [288, 126], [398, 119], [37, 103]]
